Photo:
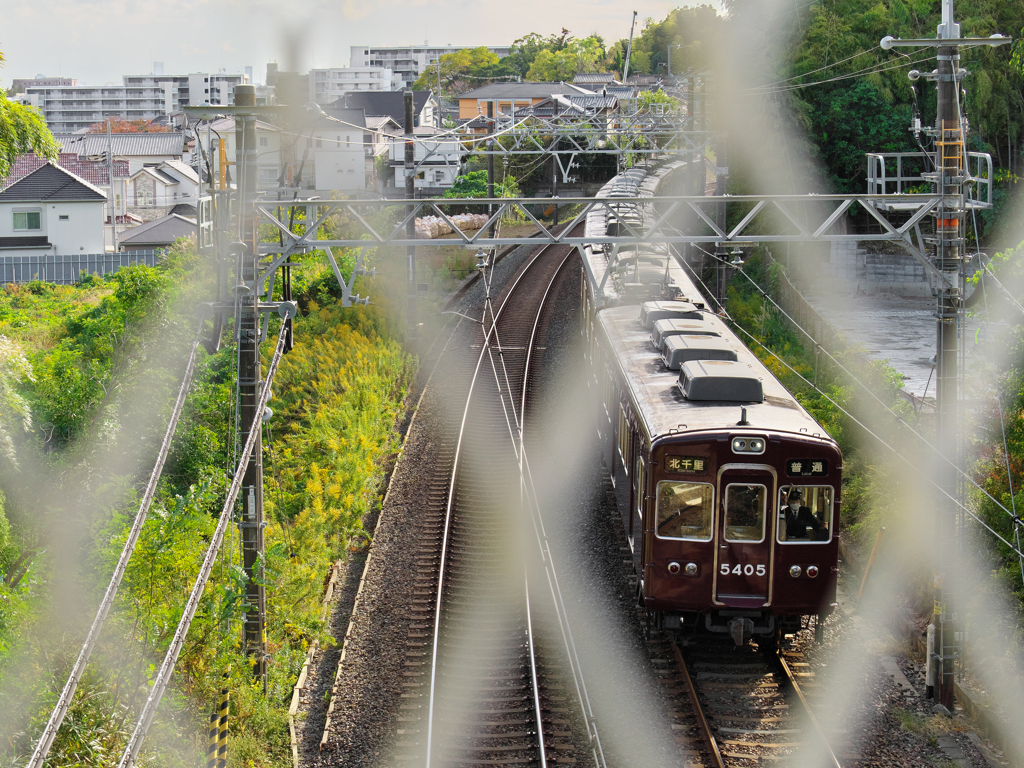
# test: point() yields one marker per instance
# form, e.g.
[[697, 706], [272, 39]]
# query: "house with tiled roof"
[[51, 211], [139, 149], [97, 173], [595, 80], [159, 233], [509, 97], [154, 190]]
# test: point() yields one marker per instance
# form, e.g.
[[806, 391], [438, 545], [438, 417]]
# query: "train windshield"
[[685, 510], [744, 512], [805, 513]]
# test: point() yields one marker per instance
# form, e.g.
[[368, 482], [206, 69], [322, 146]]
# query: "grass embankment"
[[337, 398]]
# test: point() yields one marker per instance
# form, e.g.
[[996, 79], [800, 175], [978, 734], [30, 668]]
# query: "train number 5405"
[[749, 569]]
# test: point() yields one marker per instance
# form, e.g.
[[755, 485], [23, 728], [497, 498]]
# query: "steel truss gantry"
[[638, 222]]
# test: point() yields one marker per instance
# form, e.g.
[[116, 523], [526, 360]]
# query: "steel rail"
[[145, 720], [832, 760], [538, 714], [449, 507], [702, 722], [49, 733], [526, 479]]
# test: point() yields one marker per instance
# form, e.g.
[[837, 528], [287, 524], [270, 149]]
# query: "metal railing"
[[897, 173]]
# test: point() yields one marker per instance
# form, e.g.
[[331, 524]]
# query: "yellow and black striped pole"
[[222, 736], [211, 742]]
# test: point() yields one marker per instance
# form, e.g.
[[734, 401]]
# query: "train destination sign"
[[806, 467], [686, 465]]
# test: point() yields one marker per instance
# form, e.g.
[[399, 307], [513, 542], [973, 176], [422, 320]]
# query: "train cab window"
[[745, 512], [805, 514], [685, 510]]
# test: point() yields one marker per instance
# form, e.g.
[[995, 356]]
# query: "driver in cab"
[[799, 518]]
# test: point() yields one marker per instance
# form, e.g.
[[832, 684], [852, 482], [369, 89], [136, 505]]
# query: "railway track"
[[480, 686]]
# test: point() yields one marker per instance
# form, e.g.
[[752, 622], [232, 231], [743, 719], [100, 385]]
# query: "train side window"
[[745, 512], [805, 514], [624, 439], [685, 510]]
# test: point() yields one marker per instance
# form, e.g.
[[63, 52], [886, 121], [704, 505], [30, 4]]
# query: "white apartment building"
[[328, 85], [409, 61], [68, 109]]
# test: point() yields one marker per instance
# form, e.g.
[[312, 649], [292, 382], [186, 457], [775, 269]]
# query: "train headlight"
[[673, 568], [748, 445], [691, 569], [795, 571], [812, 571]]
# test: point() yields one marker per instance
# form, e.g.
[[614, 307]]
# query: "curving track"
[[481, 688]]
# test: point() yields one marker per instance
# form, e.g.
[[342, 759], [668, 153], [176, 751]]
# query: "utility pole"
[[410, 227], [721, 171], [490, 163], [246, 253], [110, 174], [948, 177]]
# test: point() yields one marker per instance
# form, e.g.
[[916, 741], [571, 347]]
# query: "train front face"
[[740, 531]]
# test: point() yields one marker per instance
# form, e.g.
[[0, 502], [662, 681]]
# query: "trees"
[[586, 55], [22, 130], [459, 69], [693, 33]]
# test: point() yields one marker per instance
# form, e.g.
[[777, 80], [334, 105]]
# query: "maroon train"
[[728, 488]]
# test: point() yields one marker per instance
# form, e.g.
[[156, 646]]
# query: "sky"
[[97, 41]]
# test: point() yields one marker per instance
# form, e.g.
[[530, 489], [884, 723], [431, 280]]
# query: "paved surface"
[[898, 329]]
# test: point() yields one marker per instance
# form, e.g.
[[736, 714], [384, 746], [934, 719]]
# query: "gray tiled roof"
[[123, 144], [594, 77], [594, 102], [524, 91], [163, 231], [377, 103], [351, 117], [48, 182]]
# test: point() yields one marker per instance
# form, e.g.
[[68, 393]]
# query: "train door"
[[636, 526], [743, 535]]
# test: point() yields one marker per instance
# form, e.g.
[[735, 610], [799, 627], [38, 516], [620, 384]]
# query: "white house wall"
[[80, 232]]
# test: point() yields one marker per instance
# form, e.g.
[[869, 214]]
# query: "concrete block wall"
[[851, 268]]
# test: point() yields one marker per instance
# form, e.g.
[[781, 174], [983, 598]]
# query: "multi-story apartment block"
[[407, 62], [328, 85], [68, 109], [18, 85]]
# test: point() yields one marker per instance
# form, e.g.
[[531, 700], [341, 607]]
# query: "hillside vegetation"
[[93, 369]]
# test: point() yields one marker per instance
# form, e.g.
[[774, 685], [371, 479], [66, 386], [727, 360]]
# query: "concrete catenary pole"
[[249, 382], [948, 259], [410, 227]]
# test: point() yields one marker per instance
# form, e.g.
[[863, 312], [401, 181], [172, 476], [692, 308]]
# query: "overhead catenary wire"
[[67, 694], [864, 386], [881, 440], [859, 73], [819, 69], [162, 678]]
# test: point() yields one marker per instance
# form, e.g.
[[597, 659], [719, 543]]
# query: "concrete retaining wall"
[[854, 269]]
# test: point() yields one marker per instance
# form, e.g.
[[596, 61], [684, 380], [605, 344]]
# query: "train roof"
[[635, 182], [660, 400]]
